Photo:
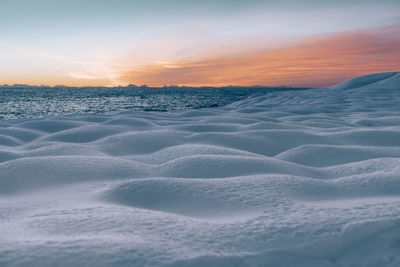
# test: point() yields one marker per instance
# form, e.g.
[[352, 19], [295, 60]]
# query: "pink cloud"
[[318, 62]]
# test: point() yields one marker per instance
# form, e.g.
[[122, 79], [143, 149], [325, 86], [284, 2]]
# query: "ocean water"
[[18, 102]]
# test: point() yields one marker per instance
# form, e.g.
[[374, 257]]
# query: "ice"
[[289, 178]]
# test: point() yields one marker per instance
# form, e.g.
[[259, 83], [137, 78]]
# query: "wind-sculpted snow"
[[297, 178]]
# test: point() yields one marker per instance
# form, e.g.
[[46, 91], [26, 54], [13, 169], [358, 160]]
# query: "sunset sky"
[[187, 42]]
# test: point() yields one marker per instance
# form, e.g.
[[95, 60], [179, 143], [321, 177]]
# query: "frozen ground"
[[299, 178]]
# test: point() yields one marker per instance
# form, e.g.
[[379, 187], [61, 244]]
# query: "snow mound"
[[296, 178]]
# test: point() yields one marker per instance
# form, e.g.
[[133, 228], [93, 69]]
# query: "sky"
[[304, 43]]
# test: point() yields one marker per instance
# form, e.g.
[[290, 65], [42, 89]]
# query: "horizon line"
[[183, 85]]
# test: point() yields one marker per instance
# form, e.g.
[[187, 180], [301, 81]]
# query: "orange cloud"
[[318, 62]]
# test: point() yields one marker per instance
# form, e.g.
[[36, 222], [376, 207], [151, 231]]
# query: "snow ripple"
[[299, 178]]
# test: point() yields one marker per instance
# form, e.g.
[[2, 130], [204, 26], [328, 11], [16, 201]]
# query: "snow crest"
[[298, 178]]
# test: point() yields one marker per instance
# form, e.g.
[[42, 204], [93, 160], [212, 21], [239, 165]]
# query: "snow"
[[297, 178]]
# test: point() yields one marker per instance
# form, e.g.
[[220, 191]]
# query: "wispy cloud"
[[44, 55], [321, 61], [82, 75], [57, 69]]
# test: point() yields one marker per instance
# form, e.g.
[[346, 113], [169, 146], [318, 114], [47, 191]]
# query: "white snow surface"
[[298, 178]]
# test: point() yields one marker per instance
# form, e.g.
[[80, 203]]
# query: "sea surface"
[[18, 102]]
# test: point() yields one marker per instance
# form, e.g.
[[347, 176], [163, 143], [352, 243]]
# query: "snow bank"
[[299, 178]]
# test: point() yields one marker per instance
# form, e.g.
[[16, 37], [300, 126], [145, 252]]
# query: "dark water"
[[33, 102]]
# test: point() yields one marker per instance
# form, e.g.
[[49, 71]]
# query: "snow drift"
[[299, 178]]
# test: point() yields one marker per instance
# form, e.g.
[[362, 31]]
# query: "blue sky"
[[96, 42]]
